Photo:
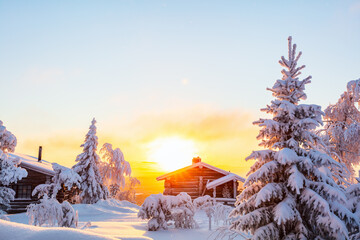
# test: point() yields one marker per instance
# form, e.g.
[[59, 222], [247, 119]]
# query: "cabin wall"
[[24, 188], [192, 181]]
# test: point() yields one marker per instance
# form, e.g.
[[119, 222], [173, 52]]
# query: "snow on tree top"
[[32, 163]]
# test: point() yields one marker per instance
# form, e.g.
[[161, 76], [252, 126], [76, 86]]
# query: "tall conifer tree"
[[290, 192], [88, 162]]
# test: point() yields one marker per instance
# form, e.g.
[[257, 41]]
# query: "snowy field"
[[109, 220]]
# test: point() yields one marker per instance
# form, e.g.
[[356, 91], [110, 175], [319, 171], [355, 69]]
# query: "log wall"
[[192, 181]]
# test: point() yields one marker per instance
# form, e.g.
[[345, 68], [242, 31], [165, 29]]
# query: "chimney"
[[196, 160], [40, 152]]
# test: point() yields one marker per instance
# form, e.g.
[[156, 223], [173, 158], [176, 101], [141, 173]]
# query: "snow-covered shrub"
[[160, 209], [342, 127], [9, 170], [290, 192], [207, 204], [69, 216], [182, 210], [52, 213], [87, 166], [156, 209], [2, 215], [221, 214], [218, 211], [65, 179]]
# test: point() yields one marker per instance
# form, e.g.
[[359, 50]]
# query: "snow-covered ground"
[[109, 220]]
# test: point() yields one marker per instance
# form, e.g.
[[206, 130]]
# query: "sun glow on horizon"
[[172, 153]]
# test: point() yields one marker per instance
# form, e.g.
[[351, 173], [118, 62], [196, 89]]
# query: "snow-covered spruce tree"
[[290, 192], [342, 127], [114, 168], [88, 162], [9, 171]]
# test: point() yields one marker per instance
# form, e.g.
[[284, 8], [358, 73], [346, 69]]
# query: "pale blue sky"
[[63, 62]]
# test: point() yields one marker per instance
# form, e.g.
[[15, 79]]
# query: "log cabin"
[[201, 179], [39, 172]]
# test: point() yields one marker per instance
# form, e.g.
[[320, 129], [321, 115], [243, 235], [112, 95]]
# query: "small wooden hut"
[[39, 172], [201, 179]]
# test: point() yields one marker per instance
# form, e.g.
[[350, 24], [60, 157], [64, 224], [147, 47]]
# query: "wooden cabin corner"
[[200, 179]]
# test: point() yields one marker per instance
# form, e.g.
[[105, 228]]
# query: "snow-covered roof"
[[225, 179], [32, 163], [202, 164]]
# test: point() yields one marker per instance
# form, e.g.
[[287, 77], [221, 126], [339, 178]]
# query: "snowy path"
[[109, 220]]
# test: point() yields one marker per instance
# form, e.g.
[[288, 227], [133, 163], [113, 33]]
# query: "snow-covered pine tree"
[[9, 171], [88, 162], [342, 127], [114, 168], [290, 192]]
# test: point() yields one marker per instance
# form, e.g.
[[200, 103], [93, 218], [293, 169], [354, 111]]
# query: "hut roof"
[[32, 163], [198, 164], [225, 179]]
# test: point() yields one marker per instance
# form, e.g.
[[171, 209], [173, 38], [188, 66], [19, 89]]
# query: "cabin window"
[[23, 191]]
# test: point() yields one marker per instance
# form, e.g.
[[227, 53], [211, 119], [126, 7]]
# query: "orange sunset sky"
[[221, 138], [165, 80]]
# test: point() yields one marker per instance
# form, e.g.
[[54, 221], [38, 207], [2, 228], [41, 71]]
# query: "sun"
[[172, 153]]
